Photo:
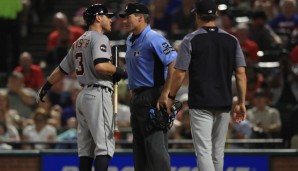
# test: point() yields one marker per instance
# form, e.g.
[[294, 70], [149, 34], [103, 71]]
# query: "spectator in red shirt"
[[249, 47], [33, 75], [61, 24]]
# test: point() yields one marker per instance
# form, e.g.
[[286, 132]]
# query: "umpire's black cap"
[[93, 10], [205, 7], [132, 8]]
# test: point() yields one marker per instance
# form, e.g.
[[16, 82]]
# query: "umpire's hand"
[[42, 92]]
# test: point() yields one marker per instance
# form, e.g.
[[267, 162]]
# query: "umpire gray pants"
[[209, 130], [150, 146]]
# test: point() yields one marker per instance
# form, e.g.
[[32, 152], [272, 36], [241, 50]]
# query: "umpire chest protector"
[[211, 68]]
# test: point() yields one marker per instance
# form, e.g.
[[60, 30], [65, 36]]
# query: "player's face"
[[131, 23], [106, 23]]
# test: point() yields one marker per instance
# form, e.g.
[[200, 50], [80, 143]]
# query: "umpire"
[[150, 61], [211, 56]]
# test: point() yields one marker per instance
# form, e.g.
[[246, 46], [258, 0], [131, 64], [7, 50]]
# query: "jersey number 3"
[[79, 64]]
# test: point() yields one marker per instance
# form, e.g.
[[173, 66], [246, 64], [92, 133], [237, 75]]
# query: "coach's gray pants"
[[209, 130]]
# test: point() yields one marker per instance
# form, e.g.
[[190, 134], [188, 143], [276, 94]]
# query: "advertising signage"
[[179, 162]]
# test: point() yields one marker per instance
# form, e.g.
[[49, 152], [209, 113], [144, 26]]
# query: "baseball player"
[[211, 56], [149, 62], [89, 57]]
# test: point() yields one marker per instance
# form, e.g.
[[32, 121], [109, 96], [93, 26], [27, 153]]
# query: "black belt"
[[142, 89], [96, 86]]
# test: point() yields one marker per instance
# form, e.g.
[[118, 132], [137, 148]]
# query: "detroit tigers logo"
[[103, 48]]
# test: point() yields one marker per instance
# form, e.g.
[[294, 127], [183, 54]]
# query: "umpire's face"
[[132, 22]]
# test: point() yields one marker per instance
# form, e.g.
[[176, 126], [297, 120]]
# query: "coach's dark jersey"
[[210, 55]]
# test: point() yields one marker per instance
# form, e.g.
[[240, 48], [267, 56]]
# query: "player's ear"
[[97, 18]]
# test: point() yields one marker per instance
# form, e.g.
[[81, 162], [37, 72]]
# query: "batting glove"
[[119, 74], [43, 91]]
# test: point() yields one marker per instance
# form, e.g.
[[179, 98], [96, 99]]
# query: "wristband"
[[171, 97], [47, 85]]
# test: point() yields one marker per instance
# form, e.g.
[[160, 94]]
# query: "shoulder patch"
[[103, 48], [165, 45], [167, 48]]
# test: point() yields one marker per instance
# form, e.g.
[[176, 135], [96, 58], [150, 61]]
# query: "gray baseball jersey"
[[94, 103], [80, 58]]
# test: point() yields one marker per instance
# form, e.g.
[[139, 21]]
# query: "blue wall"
[[180, 161]]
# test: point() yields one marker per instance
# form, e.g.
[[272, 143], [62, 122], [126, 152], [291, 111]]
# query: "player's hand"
[[119, 74], [39, 96], [238, 113], [42, 92]]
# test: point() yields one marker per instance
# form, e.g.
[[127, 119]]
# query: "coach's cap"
[[132, 8], [205, 7]]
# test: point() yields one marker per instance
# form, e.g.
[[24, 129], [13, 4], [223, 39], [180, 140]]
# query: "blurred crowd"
[[266, 29]]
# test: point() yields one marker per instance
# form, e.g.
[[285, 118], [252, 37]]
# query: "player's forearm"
[[241, 83], [176, 81], [168, 82], [56, 76], [105, 68]]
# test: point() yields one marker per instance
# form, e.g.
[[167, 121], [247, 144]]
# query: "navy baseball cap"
[[132, 8], [97, 9], [93, 10], [205, 7]]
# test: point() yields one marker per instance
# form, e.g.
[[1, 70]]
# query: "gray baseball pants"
[[209, 130], [95, 122]]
